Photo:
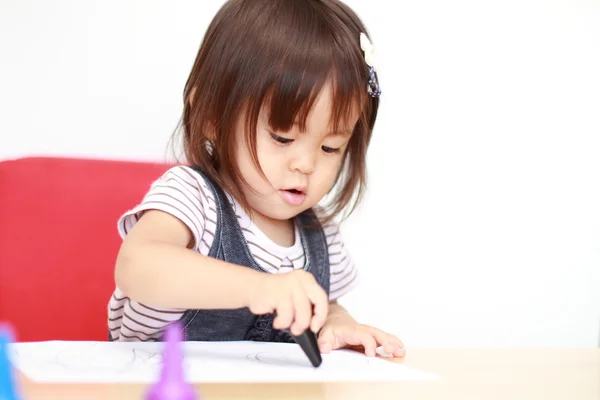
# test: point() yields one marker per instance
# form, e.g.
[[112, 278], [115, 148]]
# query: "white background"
[[482, 223]]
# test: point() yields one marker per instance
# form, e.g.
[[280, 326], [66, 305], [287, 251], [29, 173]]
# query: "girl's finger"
[[302, 312], [363, 338], [285, 315], [320, 303], [326, 341], [391, 344]]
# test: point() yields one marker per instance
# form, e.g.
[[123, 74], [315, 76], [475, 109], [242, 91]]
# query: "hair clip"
[[369, 49]]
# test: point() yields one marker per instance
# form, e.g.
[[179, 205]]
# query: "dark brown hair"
[[277, 54]]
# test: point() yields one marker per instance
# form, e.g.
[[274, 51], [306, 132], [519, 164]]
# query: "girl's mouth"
[[293, 197]]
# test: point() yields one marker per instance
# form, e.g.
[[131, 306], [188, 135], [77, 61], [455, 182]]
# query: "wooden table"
[[480, 374]]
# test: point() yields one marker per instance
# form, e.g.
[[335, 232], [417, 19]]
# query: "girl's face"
[[301, 167]]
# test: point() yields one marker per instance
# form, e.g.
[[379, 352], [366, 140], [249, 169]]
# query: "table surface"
[[547, 374]]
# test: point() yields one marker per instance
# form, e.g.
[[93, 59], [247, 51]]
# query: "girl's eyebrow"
[[347, 132]]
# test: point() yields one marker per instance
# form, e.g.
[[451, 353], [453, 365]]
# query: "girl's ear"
[[210, 130], [191, 96]]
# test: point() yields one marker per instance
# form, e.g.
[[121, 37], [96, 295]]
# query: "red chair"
[[59, 242]]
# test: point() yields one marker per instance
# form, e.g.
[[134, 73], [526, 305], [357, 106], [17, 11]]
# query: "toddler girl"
[[278, 111]]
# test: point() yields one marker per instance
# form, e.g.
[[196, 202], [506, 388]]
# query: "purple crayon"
[[171, 384]]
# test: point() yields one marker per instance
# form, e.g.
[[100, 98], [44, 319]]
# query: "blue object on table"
[[8, 390]]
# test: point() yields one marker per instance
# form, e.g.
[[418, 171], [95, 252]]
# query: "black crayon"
[[308, 343]]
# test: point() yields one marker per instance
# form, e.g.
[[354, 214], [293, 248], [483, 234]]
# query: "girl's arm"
[[155, 266]]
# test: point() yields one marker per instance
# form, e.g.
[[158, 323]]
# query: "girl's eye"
[[330, 150], [280, 139]]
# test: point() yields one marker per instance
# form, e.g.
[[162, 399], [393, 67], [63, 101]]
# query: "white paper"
[[104, 362]]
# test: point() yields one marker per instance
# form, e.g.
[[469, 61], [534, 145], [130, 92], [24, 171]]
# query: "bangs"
[[290, 101]]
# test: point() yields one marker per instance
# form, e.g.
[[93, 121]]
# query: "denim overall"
[[230, 245]]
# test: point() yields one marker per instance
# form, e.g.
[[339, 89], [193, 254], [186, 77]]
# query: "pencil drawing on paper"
[[277, 359], [297, 359], [94, 357]]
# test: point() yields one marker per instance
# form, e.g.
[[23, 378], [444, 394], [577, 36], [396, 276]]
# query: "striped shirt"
[[184, 194]]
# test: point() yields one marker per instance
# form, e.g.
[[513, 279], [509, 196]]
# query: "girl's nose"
[[303, 162]]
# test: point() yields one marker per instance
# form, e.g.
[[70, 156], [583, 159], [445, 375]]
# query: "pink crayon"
[[171, 384]]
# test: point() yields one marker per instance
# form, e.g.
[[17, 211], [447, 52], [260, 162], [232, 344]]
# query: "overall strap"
[[230, 243]]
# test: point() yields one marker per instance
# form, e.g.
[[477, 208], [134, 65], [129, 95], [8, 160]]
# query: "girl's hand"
[[298, 300], [342, 331]]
